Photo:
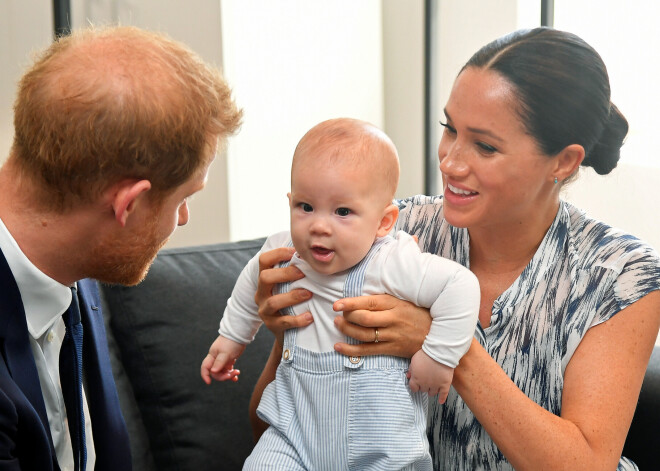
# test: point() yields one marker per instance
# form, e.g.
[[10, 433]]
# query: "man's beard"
[[126, 259]]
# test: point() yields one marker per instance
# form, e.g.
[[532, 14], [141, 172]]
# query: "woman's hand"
[[270, 304], [401, 326]]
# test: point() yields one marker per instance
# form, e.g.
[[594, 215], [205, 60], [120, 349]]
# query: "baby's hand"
[[219, 363], [429, 376]]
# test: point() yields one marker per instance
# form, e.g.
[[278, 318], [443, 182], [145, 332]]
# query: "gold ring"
[[376, 332]]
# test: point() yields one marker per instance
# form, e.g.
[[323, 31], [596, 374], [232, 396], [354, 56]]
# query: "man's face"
[[124, 257]]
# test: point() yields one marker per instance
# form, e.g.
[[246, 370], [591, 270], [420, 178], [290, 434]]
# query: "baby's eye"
[[343, 212], [306, 207]]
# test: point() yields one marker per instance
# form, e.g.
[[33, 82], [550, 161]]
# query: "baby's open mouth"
[[322, 254]]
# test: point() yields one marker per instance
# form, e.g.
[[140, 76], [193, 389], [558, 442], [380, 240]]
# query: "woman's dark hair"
[[563, 90]]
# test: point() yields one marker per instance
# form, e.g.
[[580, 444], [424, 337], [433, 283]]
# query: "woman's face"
[[492, 171]]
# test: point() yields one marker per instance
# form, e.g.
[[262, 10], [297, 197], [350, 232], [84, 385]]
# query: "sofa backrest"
[[160, 330]]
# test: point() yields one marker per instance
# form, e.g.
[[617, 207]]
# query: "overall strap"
[[353, 287], [355, 278]]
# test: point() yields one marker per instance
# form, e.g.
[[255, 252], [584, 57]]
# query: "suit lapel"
[[15, 340], [110, 435], [15, 349]]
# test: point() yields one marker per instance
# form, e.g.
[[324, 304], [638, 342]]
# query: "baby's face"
[[335, 214]]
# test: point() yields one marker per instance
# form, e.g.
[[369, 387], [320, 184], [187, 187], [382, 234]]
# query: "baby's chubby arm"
[[430, 376], [452, 294], [219, 363], [240, 320]]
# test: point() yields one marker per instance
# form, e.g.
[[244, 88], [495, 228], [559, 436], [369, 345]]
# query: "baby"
[[325, 410]]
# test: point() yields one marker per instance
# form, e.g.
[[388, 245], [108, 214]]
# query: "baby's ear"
[[390, 216]]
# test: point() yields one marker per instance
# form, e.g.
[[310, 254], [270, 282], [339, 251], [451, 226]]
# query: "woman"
[[570, 307]]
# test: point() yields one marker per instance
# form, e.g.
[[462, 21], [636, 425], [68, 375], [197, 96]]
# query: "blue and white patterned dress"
[[583, 273]]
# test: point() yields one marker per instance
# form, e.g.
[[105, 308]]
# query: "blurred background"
[[294, 63]]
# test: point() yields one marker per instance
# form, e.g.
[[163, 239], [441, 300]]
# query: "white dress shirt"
[[44, 301]]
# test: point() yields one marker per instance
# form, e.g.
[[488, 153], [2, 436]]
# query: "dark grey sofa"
[[160, 330]]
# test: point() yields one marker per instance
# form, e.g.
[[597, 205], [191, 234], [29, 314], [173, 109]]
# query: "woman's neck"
[[508, 247]]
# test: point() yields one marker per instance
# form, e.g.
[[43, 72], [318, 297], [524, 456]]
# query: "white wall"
[[286, 61], [197, 24], [25, 26], [403, 80], [629, 197], [293, 63]]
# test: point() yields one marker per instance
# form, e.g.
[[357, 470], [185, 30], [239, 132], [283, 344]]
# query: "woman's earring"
[[555, 180]]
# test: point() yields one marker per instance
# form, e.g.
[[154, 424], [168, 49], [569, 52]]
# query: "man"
[[114, 129]]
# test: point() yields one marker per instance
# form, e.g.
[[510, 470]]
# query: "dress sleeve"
[[638, 276]]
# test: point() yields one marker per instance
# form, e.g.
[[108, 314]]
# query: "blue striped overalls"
[[331, 412]]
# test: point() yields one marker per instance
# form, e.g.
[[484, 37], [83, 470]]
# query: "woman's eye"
[[343, 212], [487, 148], [448, 128], [306, 207]]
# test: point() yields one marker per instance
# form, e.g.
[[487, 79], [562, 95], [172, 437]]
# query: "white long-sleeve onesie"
[[399, 268]]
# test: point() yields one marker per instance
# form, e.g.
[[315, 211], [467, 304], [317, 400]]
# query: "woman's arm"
[[601, 386], [601, 383], [269, 311]]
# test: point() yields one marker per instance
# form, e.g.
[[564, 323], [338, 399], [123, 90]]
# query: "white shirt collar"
[[44, 299]]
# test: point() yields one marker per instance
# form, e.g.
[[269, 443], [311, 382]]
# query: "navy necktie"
[[71, 380]]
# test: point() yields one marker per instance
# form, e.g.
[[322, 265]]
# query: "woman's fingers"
[[370, 311], [367, 349], [272, 257], [269, 276], [270, 305], [402, 326], [360, 332]]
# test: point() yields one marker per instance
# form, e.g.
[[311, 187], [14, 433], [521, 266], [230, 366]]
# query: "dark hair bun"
[[563, 92], [605, 154]]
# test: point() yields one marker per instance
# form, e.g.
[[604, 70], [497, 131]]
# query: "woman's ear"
[[126, 194], [387, 222], [568, 161]]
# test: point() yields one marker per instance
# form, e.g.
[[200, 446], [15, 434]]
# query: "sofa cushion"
[[163, 328], [643, 441]]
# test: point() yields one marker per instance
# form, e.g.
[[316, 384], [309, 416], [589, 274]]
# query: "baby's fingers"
[[226, 375], [205, 369], [414, 385], [222, 363]]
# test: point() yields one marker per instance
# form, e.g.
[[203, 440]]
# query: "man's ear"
[[568, 161], [125, 196], [387, 222]]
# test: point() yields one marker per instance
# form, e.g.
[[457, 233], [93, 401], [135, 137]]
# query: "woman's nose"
[[452, 159]]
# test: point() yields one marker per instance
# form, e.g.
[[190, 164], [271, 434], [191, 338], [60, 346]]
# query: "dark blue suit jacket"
[[25, 439]]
